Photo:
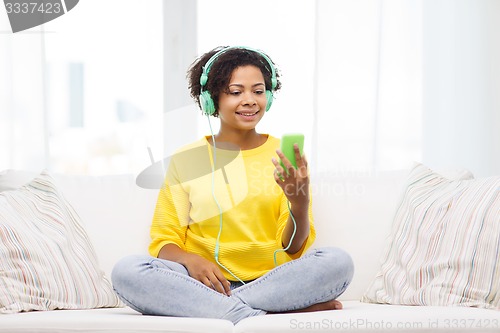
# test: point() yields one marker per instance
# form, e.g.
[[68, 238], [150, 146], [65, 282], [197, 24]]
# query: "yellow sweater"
[[254, 208]]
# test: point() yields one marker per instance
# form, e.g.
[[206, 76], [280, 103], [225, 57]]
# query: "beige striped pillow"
[[444, 247], [47, 260]]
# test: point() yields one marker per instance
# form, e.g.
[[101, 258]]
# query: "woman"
[[234, 218]]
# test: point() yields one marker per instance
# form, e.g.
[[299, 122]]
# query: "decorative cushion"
[[444, 248], [11, 179], [47, 260]]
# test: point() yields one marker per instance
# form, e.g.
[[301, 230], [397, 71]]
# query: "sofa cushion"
[[376, 318], [444, 247], [115, 212], [48, 261], [116, 320], [354, 210]]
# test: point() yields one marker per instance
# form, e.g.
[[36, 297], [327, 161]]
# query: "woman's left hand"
[[293, 182]]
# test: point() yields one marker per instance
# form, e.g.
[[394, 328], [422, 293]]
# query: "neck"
[[246, 140]]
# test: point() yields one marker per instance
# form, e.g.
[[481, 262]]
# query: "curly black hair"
[[222, 69]]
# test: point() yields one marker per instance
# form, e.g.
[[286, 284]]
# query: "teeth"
[[247, 114]]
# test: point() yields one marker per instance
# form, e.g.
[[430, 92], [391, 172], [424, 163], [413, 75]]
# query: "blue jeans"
[[155, 286]]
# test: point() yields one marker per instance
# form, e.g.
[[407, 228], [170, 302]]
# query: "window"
[[86, 94]]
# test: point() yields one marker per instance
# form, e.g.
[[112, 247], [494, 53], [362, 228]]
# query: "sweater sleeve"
[[171, 216]]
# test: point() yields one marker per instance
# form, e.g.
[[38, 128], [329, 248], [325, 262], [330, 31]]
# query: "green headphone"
[[206, 101]]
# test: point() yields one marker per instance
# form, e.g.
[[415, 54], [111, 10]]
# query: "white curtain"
[[461, 80], [403, 81], [368, 85], [23, 130], [83, 93], [373, 84], [351, 75]]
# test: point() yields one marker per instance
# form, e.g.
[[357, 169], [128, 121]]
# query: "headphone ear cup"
[[207, 103], [269, 96]]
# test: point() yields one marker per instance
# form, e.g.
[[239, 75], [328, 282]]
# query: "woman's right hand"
[[207, 273], [198, 268]]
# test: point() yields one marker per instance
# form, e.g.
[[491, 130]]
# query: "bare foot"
[[330, 305]]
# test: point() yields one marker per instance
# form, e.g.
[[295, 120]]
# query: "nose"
[[248, 99]]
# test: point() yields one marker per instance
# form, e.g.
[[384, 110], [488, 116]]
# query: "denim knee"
[[337, 263], [126, 268]]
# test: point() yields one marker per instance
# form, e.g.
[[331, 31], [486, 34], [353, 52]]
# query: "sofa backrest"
[[353, 211], [116, 212]]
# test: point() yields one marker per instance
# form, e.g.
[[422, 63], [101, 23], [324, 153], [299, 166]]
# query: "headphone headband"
[[208, 65]]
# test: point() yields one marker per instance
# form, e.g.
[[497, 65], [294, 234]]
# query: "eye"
[[235, 92], [259, 92]]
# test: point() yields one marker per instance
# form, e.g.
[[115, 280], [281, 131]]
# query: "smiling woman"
[[244, 249]]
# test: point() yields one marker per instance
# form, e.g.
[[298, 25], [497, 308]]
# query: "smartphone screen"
[[287, 142]]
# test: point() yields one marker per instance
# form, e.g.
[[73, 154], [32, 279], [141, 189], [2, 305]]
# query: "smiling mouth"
[[247, 114]]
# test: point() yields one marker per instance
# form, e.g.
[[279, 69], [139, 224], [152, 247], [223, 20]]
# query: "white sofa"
[[353, 210]]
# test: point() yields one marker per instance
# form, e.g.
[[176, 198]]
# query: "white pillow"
[[11, 179], [444, 247], [47, 261]]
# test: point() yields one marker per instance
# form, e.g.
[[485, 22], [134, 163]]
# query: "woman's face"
[[243, 104]]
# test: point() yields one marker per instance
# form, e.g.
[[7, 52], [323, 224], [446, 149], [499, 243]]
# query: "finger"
[[277, 165], [278, 171], [278, 178], [206, 281], [227, 288], [291, 171], [217, 284], [303, 166], [224, 283], [286, 162], [298, 157], [304, 160]]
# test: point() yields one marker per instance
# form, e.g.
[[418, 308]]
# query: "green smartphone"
[[287, 142]]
